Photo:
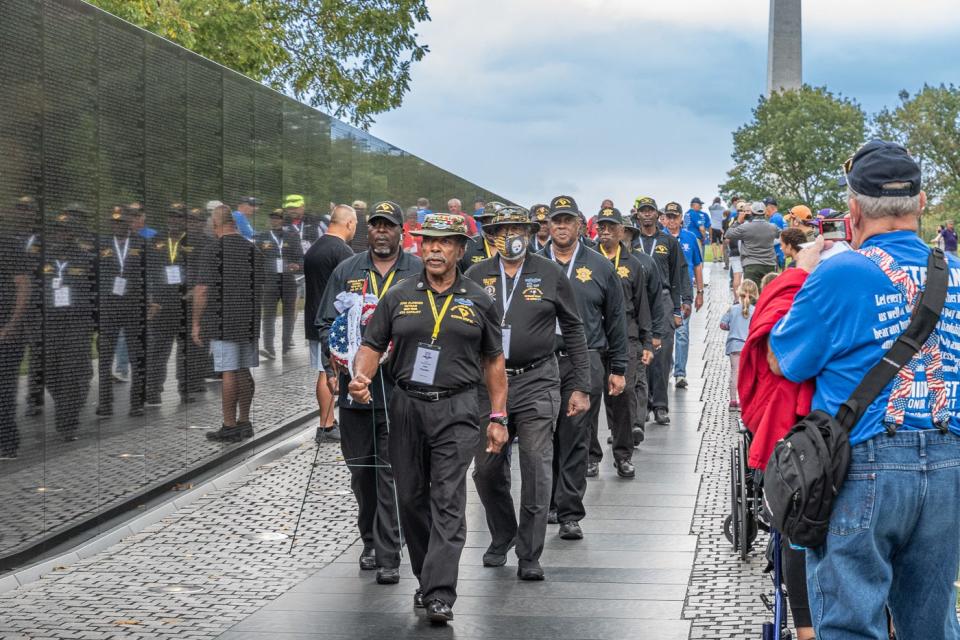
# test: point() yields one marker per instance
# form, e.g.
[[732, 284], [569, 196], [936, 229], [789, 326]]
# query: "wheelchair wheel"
[[744, 518], [735, 498]]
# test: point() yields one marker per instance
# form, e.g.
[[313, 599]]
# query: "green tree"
[[350, 57], [928, 124], [794, 147]]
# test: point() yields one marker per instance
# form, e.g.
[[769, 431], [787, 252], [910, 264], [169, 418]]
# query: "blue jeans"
[[122, 356], [681, 346], [894, 541]]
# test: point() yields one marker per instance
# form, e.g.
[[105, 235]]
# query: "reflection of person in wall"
[[226, 309], [17, 266], [69, 300], [283, 262], [121, 272]]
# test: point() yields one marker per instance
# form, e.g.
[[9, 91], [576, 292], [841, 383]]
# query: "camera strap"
[[926, 314]]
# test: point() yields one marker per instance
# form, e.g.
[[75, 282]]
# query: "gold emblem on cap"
[[383, 206], [606, 212], [562, 202]]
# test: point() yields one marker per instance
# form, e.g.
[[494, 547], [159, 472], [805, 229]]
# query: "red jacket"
[[770, 404]]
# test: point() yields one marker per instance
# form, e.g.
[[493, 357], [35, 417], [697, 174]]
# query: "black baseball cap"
[[880, 168], [540, 213], [250, 200], [388, 211], [645, 202], [610, 214], [564, 205], [770, 200], [673, 209]]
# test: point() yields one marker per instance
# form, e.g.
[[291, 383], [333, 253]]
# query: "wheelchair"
[[746, 500]]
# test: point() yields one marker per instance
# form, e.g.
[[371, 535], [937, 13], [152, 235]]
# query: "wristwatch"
[[500, 420]]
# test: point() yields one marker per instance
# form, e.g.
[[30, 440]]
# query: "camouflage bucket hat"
[[439, 225], [512, 215]]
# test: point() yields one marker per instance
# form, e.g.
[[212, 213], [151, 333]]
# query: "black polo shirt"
[[132, 255], [635, 305], [667, 254], [542, 298], [600, 301], [20, 257], [652, 288], [319, 264], [469, 332], [70, 264], [280, 244], [167, 258], [477, 249], [232, 270], [351, 275]]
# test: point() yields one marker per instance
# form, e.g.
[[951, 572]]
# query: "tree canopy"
[[794, 147], [350, 57]]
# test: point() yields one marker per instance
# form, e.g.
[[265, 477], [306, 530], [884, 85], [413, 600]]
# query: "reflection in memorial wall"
[[118, 154]]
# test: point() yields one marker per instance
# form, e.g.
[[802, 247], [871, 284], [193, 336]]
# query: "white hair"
[[886, 206], [454, 201], [342, 213]]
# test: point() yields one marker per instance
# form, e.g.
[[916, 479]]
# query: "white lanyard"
[[652, 249], [503, 285], [279, 242], [122, 255], [61, 267], [572, 260], [30, 241], [299, 230]]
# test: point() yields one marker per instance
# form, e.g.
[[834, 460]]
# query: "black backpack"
[[808, 466]]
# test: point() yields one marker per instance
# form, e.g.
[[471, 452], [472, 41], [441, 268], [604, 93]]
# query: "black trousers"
[[11, 355], [658, 373], [532, 408], [431, 445], [279, 287], [620, 410], [67, 373], [570, 442], [165, 329], [364, 442], [112, 321]]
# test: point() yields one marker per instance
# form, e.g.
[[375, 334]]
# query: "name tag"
[[61, 297], [119, 286], [505, 330], [425, 364], [57, 283], [279, 265], [306, 244], [173, 274]]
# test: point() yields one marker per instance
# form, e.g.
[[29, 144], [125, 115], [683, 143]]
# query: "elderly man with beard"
[[446, 339], [532, 297], [600, 303], [364, 428]]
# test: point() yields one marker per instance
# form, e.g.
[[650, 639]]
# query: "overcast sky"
[[620, 98]]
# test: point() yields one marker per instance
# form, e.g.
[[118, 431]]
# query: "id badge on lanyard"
[[119, 282], [279, 267], [506, 301], [61, 294], [428, 355], [569, 274]]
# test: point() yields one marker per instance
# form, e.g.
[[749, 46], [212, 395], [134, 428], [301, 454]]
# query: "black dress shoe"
[[625, 469], [418, 599], [386, 575], [493, 558], [439, 612], [660, 416], [571, 531], [638, 436], [530, 570], [368, 559], [593, 469], [552, 516], [609, 439], [228, 434], [104, 410]]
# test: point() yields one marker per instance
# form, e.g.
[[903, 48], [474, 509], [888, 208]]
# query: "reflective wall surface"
[[113, 145]]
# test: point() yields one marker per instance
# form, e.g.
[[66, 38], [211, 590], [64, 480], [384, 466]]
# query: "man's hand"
[[497, 436], [657, 343], [698, 300], [647, 357], [579, 403], [333, 383], [152, 310], [359, 389], [293, 266], [197, 340], [809, 257], [685, 310], [677, 320], [616, 384]]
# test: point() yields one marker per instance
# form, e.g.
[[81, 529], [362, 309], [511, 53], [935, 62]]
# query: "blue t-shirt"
[[845, 317], [777, 220], [422, 213], [693, 220], [691, 250], [243, 225]]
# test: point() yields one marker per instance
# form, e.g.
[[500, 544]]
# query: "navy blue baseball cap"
[[880, 168]]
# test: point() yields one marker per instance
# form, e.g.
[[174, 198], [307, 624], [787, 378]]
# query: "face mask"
[[511, 246]]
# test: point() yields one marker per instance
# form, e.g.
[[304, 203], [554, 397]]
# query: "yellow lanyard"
[[616, 260], [386, 284], [437, 317], [174, 247], [486, 247]]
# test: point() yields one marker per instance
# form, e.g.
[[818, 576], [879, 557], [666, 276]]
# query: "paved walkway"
[[653, 563]]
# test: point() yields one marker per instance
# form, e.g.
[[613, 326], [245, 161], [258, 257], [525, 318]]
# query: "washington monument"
[[784, 51]]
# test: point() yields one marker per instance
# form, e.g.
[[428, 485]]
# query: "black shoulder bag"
[[808, 467]]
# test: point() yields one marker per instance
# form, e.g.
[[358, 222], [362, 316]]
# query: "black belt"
[[423, 393], [529, 366]]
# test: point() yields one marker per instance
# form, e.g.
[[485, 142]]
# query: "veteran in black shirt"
[[621, 408], [364, 428], [479, 247], [600, 302], [446, 339], [533, 297], [668, 256], [282, 252], [540, 213]]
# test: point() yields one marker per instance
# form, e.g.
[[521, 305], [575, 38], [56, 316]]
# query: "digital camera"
[[835, 229]]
